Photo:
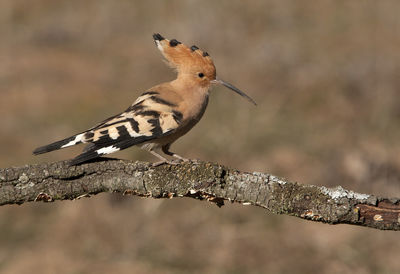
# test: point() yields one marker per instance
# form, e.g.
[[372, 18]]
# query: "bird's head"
[[192, 64]]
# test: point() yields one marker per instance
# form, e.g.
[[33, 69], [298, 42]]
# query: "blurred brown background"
[[326, 78]]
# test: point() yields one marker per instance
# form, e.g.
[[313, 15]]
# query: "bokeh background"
[[325, 75]]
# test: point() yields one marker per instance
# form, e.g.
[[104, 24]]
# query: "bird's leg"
[[163, 160], [165, 149]]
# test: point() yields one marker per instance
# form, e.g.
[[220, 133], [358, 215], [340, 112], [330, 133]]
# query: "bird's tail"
[[67, 142]]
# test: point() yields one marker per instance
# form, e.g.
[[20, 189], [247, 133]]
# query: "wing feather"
[[150, 117]]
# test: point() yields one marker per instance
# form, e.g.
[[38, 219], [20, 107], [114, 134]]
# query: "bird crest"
[[185, 59]]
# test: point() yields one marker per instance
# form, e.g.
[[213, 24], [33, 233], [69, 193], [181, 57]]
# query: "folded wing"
[[149, 117]]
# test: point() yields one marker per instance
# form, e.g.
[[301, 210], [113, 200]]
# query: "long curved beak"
[[235, 89]]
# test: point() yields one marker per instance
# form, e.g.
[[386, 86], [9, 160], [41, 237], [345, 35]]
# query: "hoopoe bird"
[[160, 115]]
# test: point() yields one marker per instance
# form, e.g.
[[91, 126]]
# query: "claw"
[[180, 158], [159, 163], [195, 161]]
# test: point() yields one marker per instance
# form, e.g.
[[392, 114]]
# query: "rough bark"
[[59, 181]]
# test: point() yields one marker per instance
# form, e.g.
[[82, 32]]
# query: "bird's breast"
[[193, 110]]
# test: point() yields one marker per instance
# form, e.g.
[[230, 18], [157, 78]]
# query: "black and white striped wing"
[[150, 117]]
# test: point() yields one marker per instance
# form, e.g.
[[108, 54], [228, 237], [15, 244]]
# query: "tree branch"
[[58, 181]]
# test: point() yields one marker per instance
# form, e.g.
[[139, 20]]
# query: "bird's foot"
[[186, 160], [162, 162], [180, 158], [195, 161], [169, 162], [177, 161]]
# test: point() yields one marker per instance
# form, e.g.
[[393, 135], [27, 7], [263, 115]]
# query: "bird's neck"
[[195, 97]]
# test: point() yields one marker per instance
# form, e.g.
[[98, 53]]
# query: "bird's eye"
[[201, 75]]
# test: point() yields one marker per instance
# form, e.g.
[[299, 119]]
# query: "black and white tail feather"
[[150, 117]]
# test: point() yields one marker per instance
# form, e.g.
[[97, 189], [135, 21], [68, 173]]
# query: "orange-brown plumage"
[[186, 60], [160, 115]]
